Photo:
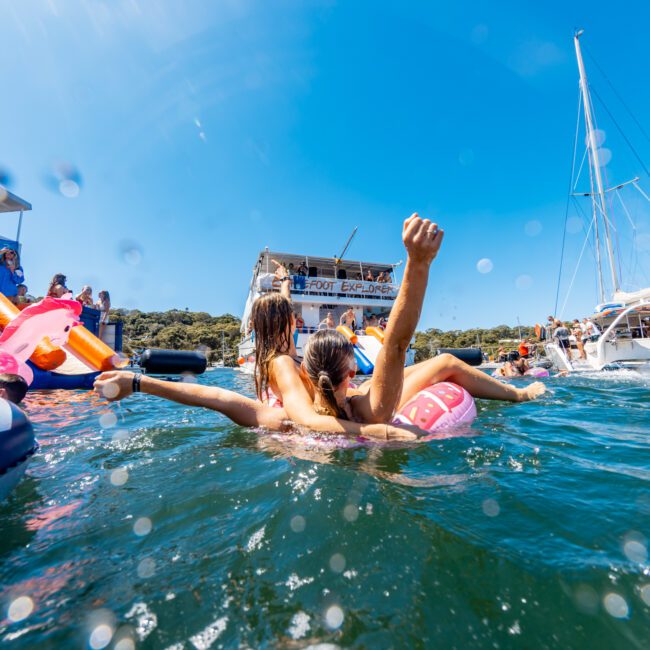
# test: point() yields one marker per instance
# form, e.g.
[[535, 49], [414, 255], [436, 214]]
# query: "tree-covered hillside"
[[189, 330]]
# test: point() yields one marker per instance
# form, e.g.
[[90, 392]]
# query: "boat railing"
[[610, 332]]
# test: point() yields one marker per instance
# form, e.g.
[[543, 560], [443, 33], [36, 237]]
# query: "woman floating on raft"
[[315, 394]]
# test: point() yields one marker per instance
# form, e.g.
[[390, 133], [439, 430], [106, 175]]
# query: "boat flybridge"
[[622, 333], [322, 290]]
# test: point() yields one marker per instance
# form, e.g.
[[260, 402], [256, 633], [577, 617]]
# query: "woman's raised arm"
[[422, 240]]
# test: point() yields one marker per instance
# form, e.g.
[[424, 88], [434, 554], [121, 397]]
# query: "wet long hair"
[[58, 278], [272, 318], [328, 359]]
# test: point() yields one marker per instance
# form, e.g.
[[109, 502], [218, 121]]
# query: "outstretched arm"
[[422, 240], [116, 385]]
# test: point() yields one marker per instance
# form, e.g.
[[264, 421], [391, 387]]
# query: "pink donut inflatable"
[[440, 406], [537, 372]]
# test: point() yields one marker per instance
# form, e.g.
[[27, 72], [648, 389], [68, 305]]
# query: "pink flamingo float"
[[51, 317]]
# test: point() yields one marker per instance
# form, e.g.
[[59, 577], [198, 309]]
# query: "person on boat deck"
[[387, 277], [12, 387], [561, 335], [369, 276], [300, 323], [23, 298], [11, 273], [85, 297], [577, 331], [381, 278], [327, 322], [302, 269], [591, 329], [57, 287], [348, 319], [104, 306]]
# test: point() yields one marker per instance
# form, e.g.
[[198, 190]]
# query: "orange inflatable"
[[46, 356], [377, 332], [91, 350], [348, 333]]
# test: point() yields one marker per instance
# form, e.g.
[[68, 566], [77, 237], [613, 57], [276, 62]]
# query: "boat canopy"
[[11, 203], [323, 267]]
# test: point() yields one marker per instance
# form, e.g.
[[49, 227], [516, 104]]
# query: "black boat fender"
[[17, 446]]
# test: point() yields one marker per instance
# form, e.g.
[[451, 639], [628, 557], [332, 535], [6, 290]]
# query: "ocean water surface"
[[153, 525]]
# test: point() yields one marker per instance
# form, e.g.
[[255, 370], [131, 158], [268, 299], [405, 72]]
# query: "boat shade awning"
[[11, 203], [321, 263]]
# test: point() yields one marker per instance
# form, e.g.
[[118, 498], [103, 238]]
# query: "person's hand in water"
[[422, 239]]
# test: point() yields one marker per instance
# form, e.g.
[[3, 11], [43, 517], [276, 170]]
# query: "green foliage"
[[180, 330], [188, 330]]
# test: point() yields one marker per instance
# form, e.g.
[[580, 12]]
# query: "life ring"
[[439, 406], [17, 446]]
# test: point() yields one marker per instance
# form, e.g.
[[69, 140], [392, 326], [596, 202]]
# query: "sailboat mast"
[[599, 196]]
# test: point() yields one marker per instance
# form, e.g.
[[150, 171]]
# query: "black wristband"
[[137, 377], [286, 277]]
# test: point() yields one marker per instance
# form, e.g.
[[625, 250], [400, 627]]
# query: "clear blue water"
[[532, 532]]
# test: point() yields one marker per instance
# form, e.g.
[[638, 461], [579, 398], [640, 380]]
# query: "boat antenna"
[[337, 260]]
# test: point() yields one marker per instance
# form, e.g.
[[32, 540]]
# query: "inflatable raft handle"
[[348, 333]]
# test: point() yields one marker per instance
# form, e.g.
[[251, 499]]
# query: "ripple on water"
[[183, 530]]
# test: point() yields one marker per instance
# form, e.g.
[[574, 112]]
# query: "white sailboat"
[[624, 320]]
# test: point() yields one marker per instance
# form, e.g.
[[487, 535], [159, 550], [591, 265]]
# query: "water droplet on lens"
[[146, 568], [337, 563], [484, 265], [298, 524], [69, 189], [101, 636], [125, 644], [524, 282], [110, 391], [351, 512], [533, 228], [142, 526], [491, 508], [107, 420], [644, 592], [130, 252], [119, 476], [334, 617], [20, 608], [604, 156], [616, 605], [574, 225], [598, 137]]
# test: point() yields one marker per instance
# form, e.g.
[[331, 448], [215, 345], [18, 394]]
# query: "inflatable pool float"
[[438, 407], [17, 446], [537, 372]]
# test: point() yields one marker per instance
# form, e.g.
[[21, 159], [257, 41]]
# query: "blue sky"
[[202, 132]]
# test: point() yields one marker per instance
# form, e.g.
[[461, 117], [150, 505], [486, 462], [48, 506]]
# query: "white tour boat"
[[328, 285], [623, 321]]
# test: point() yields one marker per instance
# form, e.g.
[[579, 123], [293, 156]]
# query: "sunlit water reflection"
[[151, 524]]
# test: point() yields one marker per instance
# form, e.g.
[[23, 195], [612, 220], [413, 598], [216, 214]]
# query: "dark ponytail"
[[328, 359]]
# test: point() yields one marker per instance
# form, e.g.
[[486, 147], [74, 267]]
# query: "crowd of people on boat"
[[572, 335], [13, 287], [298, 271]]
